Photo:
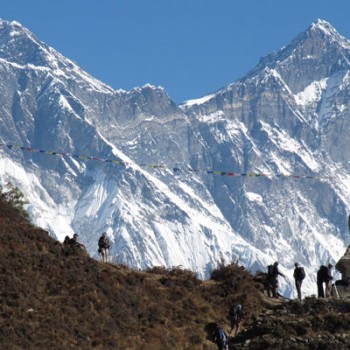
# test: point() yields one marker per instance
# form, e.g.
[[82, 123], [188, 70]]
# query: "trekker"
[[221, 338], [236, 317], [103, 246], [299, 275], [75, 243], [321, 273], [66, 241], [272, 280], [324, 275], [329, 279]]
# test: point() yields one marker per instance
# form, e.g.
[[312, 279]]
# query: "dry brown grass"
[[52, 297]]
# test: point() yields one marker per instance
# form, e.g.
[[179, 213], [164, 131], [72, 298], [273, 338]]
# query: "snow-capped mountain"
[[159, 179]]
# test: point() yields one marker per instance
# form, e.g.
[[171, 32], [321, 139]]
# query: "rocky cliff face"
[[173, 200]]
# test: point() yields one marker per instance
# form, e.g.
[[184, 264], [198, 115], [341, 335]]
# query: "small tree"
[[14, 197]]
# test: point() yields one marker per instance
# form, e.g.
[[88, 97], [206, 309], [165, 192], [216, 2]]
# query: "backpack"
[[299, 273], [323, 273], [236, 312], [221, 336], [270, 271], [103, 242]]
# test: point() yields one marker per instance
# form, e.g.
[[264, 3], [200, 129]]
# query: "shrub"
[[223, 272], [15, 198], [159, 270]]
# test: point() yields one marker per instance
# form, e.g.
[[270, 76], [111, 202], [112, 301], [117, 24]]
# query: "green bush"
[[15, 198]]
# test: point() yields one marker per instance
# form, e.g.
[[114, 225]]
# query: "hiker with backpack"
[[299, 275], [236, 317], [220, 338], [103, 246], [75, 243], [324, 276], [271, 281]]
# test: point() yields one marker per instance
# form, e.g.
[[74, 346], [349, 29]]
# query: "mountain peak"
[[324, 26], [319, 46], [18, 45], [326, 30], [14, 29]]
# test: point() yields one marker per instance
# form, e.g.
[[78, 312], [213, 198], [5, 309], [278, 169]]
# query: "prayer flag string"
[[175, 170]]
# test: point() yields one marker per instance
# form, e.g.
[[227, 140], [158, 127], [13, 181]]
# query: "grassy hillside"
[[52, 297]]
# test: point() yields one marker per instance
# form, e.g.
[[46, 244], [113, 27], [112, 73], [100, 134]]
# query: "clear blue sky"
[[190, 47]]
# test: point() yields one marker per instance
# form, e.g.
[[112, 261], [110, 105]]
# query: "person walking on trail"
[[324, 277], [236, 317], [321, 273], [220, 338], [103, 246], [299, 275], [272, 280]]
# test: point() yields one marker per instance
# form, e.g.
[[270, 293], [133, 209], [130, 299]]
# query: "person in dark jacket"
[[221, 338], [324, 276], [272, 279], [320, 280], [103, 246], [236, 317], [329, 281], [299, 275], [75, 243], [66, 241]]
